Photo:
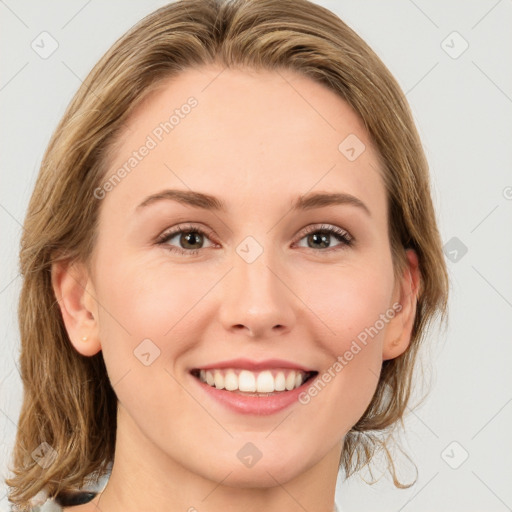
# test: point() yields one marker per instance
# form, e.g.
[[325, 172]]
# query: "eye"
[[191, 239], [319, 237]]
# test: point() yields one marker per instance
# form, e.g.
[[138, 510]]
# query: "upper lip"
[[248, 364]]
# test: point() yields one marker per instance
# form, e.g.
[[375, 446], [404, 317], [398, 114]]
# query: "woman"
[[230, 259]]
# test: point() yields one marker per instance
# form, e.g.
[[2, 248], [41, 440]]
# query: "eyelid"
[[333, 230], [347, 240], [184, 227]]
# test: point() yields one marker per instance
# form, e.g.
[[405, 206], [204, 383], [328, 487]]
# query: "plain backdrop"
[[452, 58]]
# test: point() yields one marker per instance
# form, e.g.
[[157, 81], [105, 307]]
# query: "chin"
[[268, 471], [261, 476]]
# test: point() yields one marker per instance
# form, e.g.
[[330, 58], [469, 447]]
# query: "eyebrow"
[[207, 202]]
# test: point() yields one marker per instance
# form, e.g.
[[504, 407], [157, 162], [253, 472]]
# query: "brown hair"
[[68, 401]]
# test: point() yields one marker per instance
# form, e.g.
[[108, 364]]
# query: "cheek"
[[354, 307], [153, 301], [349, 300], [150, 296], [147, 322]]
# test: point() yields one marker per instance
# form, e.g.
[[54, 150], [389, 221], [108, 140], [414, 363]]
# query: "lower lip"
[[257, 405]]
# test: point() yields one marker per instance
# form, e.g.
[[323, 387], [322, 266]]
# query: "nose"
[[257, 299]]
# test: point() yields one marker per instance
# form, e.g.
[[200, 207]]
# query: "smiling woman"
[[240, 310]]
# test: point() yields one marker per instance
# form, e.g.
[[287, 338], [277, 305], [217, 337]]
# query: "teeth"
[[231, 381], [266, 381], [246, 381], [218, 378], [290, 381], [280, 382]]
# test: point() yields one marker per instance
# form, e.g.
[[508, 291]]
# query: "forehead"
[[234, 132]]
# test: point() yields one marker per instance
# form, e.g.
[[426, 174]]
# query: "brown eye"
[[187, 240], [190, 239]]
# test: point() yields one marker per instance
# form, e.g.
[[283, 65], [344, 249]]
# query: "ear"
[[76, 297], [405, 297]]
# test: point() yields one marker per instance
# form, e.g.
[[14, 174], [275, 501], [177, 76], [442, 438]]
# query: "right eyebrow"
[[188, 197]]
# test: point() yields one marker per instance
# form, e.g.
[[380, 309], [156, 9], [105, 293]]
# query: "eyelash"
[[340, 234]]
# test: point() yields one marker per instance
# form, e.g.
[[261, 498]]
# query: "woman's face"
[[264, 279]]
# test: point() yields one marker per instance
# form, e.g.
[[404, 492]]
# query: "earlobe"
[[75, 295], [399, 332]]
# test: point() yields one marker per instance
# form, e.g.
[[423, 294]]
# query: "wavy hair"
[[68, 401]]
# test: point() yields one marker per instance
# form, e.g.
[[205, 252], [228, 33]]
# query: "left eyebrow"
[[207, 202], [321, 199]]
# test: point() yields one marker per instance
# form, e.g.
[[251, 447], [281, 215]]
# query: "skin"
[[256, 140]]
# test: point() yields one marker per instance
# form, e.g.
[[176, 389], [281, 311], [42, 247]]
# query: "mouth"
[[266, 382]]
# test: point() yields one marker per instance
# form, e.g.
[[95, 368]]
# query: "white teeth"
[[231, 381], [266, 381], [280, 382], [246, 381], [290, 381], [218, 379]]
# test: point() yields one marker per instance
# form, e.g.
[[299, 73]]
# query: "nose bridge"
[[255, 296]]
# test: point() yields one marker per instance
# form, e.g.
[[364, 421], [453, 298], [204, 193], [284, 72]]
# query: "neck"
[[144, 478]]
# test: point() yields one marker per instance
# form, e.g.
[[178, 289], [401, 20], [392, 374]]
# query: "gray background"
[[462, 103]]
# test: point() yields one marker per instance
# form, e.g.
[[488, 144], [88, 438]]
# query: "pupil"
[[191, 237], [324, 238]]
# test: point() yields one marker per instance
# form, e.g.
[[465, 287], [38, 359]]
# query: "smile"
[[255, 382]]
